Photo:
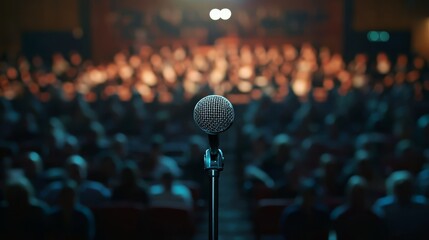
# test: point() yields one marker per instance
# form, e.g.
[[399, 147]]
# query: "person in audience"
[[194, 160], [405, 214], [21, 215], [170, 193], [32, 165], [157, 163], [274, 162], [355, 219], [130, 188], [69, 219], [120, 146], [305, 219], [362, 165], [106, 168], [328, 176], [90, 193]]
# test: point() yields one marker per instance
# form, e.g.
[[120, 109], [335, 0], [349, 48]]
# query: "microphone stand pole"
[[213, 164]]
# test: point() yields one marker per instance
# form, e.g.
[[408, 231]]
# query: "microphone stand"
[[213, 164]]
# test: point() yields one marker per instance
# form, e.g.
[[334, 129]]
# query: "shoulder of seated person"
[[167, 159], [54, 186], [419, 199], [93, 184], [339, 211], [383, 201], [40, 205]]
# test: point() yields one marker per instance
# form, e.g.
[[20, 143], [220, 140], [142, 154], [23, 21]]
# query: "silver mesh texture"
[[214, 114]]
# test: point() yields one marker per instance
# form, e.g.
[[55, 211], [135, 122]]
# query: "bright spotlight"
[[215, 14], [225, 14]]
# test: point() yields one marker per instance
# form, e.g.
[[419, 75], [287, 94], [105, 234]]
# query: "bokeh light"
[[215, 14], [225, 14]]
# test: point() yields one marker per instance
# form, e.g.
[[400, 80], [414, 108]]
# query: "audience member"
[[21, 215], [32, 165], [130, 188], [157, 163], [355, 219], [170, 192], [405, 214], [68, 219], [106, 168], [305, 219]]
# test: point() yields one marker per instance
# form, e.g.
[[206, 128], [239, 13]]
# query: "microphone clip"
[[213, 161]]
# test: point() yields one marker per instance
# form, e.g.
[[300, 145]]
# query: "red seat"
[[120, 222], [170, 223], [267, 216]]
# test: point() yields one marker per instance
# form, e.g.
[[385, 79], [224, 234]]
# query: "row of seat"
[[135, 222]]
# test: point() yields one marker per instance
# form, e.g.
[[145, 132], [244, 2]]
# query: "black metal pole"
[[213, 214]]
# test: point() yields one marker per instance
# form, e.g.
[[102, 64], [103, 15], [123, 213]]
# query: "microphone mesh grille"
[[214, 114]]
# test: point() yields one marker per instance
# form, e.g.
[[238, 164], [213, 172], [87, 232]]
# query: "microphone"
[[214, 114]]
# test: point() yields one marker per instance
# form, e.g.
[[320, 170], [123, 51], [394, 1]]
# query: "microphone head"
[[214, 114]]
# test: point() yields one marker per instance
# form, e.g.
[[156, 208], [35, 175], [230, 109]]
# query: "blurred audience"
[[302, 112], [90, 193]]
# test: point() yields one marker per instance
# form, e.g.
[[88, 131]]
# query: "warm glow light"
[[300, 87], [215, 14], [225, 14], [244, 87]]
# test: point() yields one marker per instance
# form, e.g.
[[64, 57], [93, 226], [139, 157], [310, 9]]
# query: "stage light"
[[225, 14], [384, 36], [373, 36], [215, 14]]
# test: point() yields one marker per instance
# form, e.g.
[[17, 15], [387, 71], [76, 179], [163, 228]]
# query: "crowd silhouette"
[[345, 141]]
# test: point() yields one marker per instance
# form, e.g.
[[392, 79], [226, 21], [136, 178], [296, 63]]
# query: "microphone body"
[[214, 144], [213, 114]]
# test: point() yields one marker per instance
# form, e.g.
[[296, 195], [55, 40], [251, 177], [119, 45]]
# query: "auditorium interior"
[[330, 132]]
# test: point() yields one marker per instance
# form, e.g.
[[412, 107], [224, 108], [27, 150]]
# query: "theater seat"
[[267, 217], [167, 223], [120, 222]]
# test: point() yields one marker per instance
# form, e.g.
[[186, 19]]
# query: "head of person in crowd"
[[71, 146], [19, 193], [356, 191], [329, 174], [423, 131], [106, 167], [400, 184], [167, 180], [68, 197], [120, 145], [129, 174], [363, 165], [307, 194], [408, 156], [32, 165], [281, 148], [156, 147], [77, 168]]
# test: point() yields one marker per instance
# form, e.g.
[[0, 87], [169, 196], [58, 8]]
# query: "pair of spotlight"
[[216, 14]]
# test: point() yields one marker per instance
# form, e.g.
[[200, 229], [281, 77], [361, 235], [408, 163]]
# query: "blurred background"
[[330, 140]]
